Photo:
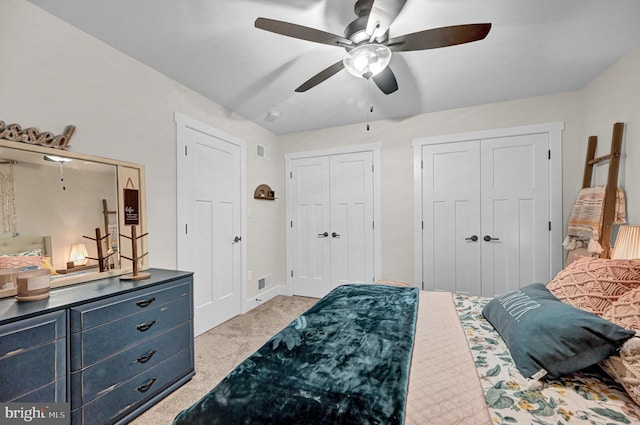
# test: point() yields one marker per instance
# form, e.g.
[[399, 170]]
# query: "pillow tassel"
[[569, 243], [594, 247]]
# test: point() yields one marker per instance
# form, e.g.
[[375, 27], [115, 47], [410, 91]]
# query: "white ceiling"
[[535, 47]]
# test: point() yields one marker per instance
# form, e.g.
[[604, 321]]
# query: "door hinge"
[[186, 229], [549, 226], [291, 224], [421, 163], [290, 174], [373, 224], [549, 153], [422, 225], [185, 150], [372, 168], [291, 273]]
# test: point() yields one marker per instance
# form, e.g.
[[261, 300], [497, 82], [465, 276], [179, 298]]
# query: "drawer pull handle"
[[143, 327], [145, 303], [144, 388], [144, 359]]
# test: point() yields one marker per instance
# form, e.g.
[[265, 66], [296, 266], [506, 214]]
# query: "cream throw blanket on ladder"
[[585, 222]]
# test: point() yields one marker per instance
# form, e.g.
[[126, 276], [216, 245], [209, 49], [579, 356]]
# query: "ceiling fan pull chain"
[[62, 175], [369, 101]]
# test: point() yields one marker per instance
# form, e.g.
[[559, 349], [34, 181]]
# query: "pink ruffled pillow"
[[593, 284]]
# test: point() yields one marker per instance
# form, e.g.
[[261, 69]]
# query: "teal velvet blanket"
[[345, 361]]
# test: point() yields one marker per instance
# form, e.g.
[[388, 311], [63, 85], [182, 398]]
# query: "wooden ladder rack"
[[611, 189]]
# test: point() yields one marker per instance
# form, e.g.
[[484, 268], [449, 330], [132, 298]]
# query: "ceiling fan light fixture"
[[367, 60]]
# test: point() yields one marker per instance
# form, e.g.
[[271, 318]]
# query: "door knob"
[[323, 235], [488, 238], [237, 239], [472, 238], [335, 235]]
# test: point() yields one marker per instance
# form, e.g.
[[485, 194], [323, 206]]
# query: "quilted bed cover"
[[462, 355], [462, 373]]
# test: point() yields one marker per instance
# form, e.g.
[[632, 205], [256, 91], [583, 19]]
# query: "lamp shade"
[[627, 246], [78, 254], [367, 60]]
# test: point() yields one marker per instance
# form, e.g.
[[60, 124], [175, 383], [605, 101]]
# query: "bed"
[[19, 252], [460, 370]]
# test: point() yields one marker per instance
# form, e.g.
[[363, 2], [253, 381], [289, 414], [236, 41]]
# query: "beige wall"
[[397, 157], [614, 96], [53, 75]]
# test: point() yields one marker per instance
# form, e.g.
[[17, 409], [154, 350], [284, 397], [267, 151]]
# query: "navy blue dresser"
[[110, 348]]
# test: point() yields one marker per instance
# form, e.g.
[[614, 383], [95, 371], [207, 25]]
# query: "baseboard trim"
[[263, 297]]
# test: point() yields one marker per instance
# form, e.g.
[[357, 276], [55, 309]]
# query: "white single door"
[[310, 226], [352, 218], [332, 231], [451, 217], [515, 212], [209, 233]]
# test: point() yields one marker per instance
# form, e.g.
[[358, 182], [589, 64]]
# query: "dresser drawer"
[[33, 357], [95, 344], [89, 383], [114, 404], [100, 312], [54, 392], [28, 333], [29, 370]]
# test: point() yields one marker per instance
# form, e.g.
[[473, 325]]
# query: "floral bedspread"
[[587, 397]]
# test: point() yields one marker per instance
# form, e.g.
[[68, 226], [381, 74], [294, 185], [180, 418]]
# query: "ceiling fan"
[[367, 41]]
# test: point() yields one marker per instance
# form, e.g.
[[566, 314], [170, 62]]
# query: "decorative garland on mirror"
[[33, 136]]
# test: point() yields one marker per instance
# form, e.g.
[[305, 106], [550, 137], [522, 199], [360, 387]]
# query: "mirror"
[[53, 197], [64, 196]]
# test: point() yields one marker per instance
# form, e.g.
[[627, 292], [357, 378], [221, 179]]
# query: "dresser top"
[[68, 296]]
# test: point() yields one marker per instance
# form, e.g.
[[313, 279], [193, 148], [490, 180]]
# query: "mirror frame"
[[128, 174]]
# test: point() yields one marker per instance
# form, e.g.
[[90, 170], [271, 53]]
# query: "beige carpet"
[[222, 348]]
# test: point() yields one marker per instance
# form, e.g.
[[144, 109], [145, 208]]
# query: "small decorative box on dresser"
[[110, 348]]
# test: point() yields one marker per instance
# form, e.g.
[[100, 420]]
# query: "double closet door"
[[331, 222], [485, 214]]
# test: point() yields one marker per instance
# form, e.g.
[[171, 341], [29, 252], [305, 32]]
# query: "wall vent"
[[263, 152], [264, 282]]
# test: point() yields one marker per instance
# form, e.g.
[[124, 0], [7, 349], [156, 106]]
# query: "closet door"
[[331, 204], [485, 214], [515, 212], [451, 217], [351, 218], [311, 226]]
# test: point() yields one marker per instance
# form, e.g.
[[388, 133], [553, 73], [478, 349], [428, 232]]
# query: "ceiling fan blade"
[[382, 15], [321, 76], [439, 37], [386, 81], [301, 32]]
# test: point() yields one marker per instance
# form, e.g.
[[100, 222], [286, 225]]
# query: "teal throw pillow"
[[546, 335]]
